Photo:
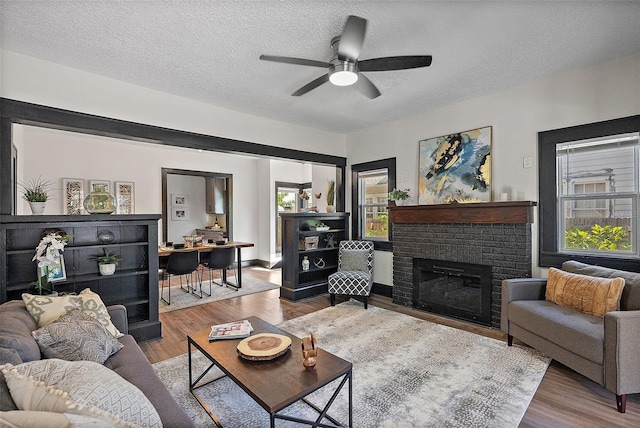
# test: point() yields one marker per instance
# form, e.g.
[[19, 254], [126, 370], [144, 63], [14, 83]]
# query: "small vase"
[[305, 263], [107, 269], [331, 208], [100, 201], [37, 208], [399, 202]]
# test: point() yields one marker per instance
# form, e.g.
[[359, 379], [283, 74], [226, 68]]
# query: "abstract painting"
[[456, 168]]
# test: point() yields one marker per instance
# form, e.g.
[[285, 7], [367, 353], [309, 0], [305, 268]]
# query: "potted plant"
[[331, 194], [398, 196], [107, 263], [49, 261], [36, 192]]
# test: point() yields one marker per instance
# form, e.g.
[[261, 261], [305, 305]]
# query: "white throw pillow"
[[34, 419], [46, 309], [79, 387]]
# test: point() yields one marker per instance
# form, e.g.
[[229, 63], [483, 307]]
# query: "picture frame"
[[179, 200], [95, 183], [180, 214], [72, 196], [455, 168], [57, 273], [125, 197]]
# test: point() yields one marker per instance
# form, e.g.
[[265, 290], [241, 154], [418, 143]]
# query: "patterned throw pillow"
[[590, 295], [33, 419], [46, 309], [76, 336], [354, 260], [79, 387]]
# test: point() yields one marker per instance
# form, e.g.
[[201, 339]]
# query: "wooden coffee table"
[[274, 384]]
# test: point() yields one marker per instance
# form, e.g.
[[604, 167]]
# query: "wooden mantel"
[[516, 212]]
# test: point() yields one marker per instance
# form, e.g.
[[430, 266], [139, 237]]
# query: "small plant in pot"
[[36, 192], [398, 196], [107, 263]]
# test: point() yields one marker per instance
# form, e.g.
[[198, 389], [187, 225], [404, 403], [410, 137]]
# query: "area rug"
[[407, 372], [180, 299]]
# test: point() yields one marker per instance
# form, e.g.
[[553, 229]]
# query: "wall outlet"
[[527, 162]]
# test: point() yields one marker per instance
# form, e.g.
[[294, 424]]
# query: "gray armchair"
[[604, 350], [355, 271]]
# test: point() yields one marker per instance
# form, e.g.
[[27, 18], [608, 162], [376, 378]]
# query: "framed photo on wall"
[[72, 196], [125, 197], [179, 214], [455, 168], [179, 200]]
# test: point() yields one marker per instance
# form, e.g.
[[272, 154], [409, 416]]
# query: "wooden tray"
[[263, 346]]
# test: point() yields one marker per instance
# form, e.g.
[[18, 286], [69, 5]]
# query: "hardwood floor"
[[563, 399]]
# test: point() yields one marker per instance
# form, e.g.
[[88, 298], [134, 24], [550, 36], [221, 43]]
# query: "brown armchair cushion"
[[587, 294]]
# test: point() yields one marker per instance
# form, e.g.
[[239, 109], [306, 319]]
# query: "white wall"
[[599, 93], [32, 80], [59, 154]]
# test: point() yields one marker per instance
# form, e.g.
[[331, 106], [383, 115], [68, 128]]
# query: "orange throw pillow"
[[590, 295]]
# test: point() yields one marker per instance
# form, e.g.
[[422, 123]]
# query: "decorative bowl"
[[193, 239], [221, 242]]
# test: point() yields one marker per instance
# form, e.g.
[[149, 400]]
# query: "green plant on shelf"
[[107, 259]]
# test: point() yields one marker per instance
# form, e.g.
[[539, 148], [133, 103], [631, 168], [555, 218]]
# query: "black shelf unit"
[[134, 284], [297, 283]]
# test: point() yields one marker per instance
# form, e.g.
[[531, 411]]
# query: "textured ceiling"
[[208, 50]]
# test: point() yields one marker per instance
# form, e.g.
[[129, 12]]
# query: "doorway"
[[288, 200]]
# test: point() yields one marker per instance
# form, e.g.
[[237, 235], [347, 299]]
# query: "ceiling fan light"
[[343, 78], [343, 74]]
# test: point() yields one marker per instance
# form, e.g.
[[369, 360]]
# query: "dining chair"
[[181, 263], [355, 271], [221, 259]]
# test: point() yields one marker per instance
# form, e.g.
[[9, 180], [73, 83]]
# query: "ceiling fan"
[[345, 68]]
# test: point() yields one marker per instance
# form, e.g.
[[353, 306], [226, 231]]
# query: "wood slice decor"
[[263, 346]]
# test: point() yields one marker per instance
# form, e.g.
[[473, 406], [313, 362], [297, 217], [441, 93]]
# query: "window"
[[597, 193], [590, 193], [372, 182]]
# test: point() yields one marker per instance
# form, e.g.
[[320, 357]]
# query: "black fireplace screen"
[[460, 290]]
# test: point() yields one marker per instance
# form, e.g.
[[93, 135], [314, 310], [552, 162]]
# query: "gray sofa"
[[17, 345], [606, 350]]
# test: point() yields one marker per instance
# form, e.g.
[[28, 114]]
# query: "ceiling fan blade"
[[296, 61], [311, 85], [366, 87], [352, 38], [394, 63]]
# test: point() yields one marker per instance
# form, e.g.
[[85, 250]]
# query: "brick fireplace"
[[494, 234]]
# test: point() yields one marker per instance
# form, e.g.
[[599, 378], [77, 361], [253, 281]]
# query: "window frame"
[[549, 254], [390, 165]]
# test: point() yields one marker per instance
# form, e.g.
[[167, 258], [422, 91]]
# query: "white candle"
[[504, 196], [514, 194]]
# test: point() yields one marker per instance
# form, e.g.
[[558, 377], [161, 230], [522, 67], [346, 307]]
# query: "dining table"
[[207, 248]]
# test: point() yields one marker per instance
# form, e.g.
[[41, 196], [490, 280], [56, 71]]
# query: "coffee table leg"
[[192, 386], [350, 399]]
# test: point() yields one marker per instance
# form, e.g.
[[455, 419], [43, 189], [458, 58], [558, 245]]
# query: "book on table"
[[232, 330]]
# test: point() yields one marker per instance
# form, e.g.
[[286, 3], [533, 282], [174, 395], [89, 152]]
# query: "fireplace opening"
[[459, 290]]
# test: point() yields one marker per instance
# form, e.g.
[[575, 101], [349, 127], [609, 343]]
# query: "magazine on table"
[[232, 330]]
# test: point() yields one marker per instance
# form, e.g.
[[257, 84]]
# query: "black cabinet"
[[302, 237], [133, 237]]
